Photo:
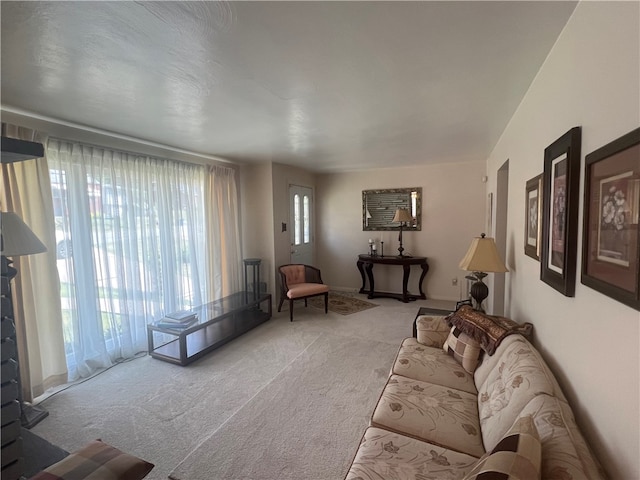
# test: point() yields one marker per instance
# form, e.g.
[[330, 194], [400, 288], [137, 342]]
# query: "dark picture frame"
[[560, 198], [611, 231], [533, 217]]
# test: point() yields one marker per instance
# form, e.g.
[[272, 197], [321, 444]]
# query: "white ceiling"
[[326, 86]]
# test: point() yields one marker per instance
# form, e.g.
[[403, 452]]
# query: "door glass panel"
[[296, 219], [307, 219]]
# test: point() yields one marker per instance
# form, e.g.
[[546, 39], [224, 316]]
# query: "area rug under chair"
[[342, 304]]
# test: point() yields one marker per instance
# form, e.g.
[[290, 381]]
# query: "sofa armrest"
[[432, 331]]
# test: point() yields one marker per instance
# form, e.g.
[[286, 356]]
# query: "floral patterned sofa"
[[443, 415]]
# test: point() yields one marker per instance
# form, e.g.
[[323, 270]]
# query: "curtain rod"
[[106, 133]]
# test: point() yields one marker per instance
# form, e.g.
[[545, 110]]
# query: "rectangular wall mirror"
[[379, 207]]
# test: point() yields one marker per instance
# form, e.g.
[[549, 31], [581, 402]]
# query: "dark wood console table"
[[366, 263]]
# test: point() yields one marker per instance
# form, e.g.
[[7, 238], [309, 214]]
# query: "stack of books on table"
[[178, 320]]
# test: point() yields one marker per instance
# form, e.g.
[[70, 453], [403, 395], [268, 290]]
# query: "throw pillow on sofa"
[[518, 456], [463, 348], [97, 460]]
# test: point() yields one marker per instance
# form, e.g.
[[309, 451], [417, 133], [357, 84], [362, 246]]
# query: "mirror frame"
[[368, 194]]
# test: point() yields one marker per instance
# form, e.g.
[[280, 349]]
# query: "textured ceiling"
[[326, 86]]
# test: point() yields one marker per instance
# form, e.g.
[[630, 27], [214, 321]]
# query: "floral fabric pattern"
[[432, 331], [436, 414], [431, 365], [516, 457], [519, 376], [391, 456], [434, 420], [565, 454]]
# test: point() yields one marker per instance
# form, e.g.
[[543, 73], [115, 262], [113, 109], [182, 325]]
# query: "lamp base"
[[32, 415], [479, 292]]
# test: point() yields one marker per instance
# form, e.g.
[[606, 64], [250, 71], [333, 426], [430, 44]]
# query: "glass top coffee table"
[[218, 322]]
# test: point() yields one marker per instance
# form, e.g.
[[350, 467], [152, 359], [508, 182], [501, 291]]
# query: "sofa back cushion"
[[565, 453], [517, 374]]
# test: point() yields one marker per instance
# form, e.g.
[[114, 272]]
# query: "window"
[[130, 234], [306, 220], [296, 219]]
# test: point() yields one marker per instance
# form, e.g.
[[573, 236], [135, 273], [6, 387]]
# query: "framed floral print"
[[532, 217], [611, 235], [560, 198]]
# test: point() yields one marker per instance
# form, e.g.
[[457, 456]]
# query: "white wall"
[[453, 212], [590, 79], [256, 207], [264, 193]]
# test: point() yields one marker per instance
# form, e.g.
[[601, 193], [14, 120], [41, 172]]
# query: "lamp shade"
[[483, 256], [17, 237], [402, 215]]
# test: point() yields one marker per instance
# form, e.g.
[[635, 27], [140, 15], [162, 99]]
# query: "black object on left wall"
[[16, 150], [14, 414], [11, 410]]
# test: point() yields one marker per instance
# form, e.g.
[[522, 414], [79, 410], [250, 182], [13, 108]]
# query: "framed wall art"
[[560, 198], [611, 236], [532, 217]]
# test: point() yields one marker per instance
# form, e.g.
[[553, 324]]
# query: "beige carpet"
[[332, 400], [285, 400], [342, 304]]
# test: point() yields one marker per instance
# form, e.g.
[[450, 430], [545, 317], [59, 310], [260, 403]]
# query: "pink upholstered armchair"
[[301, 281]]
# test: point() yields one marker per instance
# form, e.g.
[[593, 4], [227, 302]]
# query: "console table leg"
[[425, 269], [369, 268], [361, 270], [405, 281]]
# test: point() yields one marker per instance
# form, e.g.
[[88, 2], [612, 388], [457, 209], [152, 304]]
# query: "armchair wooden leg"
[[281, 302], [291, 310], [326, 302], [305, 303]]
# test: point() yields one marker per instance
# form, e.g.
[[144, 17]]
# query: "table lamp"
[[17, 239], [482, 257], [402, 215]]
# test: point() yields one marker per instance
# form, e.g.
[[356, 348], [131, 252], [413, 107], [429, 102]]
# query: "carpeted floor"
[[331, 399], [285, 400]]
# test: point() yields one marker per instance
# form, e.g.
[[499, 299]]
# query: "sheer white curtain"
[[132, 241]]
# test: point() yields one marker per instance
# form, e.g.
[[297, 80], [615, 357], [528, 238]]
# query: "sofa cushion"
[[433, 413], [490, 362], [518, 375], [97, 460], [387, 455], [565, 454], [517, 455], [431, 365], [432, 331], [463, 348]]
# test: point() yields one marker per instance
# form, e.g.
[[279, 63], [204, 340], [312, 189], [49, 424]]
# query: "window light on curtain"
[[132, 234]]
